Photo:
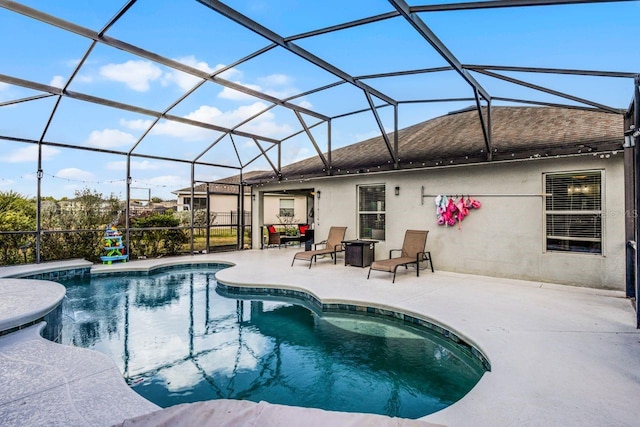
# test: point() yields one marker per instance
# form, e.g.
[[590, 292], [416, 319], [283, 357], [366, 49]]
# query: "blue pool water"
[[176, 340]]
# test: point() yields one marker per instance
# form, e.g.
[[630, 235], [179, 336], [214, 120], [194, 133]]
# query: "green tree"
[[80, 223], [17, 213]]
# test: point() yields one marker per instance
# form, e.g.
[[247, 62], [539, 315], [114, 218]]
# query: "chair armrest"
[[315, 246], [394, 250]]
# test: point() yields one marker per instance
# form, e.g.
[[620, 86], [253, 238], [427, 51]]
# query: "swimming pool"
[[177, 340]]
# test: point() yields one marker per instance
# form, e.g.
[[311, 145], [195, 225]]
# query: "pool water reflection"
[[176, 340]]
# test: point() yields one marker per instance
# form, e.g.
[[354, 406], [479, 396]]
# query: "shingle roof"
[[227, 185], [516, 133]]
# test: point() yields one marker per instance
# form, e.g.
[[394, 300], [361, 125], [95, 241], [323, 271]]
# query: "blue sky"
[[589, 36]]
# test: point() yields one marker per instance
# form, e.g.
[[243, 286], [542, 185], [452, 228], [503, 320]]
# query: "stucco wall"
[[272, 208], [504, 238]]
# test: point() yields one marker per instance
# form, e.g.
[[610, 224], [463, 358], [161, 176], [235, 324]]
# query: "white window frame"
[[369, 212], [597, 212]]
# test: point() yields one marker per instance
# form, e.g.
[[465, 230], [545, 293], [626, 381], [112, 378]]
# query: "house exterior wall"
[[227, 203], [217, 202], [272, 208], [505, 237]]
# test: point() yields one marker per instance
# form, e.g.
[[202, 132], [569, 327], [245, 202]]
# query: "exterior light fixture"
[[397, 191], [318, 193]]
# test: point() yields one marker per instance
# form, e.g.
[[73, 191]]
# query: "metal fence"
[[20, 247]]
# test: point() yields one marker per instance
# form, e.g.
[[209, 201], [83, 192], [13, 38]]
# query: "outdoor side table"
[[359, 253]]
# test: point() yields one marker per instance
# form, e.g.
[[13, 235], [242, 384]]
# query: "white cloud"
[[232, 118], [75, 174], [57, 81], [275, 80], [136, 124], [135, 74], [184, 80], [305, 104], [145, 165], [29, 154], [262, 125], [231, 73], [277, 85], [4, 86], [110, 138], [266, 128], [72, 63], [166, 180], [235, 95], [181, 131]]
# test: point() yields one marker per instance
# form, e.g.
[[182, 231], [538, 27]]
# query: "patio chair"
[[332, 246], [274, 237], [412, 252]]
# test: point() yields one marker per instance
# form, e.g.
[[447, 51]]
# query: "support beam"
[[392, 152], [403, 8], [493, 4], [254, 26], [126, 107], [134, 50], [539, 70], [264, 153], [313, 141], [486, 132], [550, 91]]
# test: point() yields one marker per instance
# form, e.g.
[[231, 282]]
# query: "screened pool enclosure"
[[106, 107]]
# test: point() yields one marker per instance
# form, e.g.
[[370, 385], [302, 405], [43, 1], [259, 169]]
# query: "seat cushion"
[[391, 264], [309, 254]]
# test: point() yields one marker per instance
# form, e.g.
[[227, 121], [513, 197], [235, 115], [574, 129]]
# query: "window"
[[371, 212], [574, 212], [286, 207], [200, 203]]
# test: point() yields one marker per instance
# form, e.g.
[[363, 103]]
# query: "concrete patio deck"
[[560, 355]]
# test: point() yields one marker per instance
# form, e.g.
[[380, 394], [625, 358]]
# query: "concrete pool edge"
[[54, 384], [359, 307], [26, 302]]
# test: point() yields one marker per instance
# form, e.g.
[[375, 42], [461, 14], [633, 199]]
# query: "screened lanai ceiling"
[[158, 94]]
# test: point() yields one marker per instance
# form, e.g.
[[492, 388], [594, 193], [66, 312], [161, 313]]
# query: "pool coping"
[[362, 308], [27, 302]]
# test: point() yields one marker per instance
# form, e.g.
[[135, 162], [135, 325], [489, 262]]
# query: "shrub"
[[156, 242]]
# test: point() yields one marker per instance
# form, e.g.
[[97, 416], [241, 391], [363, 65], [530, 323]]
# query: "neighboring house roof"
[[227, 185], [457, 138]]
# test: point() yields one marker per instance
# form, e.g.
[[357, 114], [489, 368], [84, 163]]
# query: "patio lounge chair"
[[412, 252], [332, 246]]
